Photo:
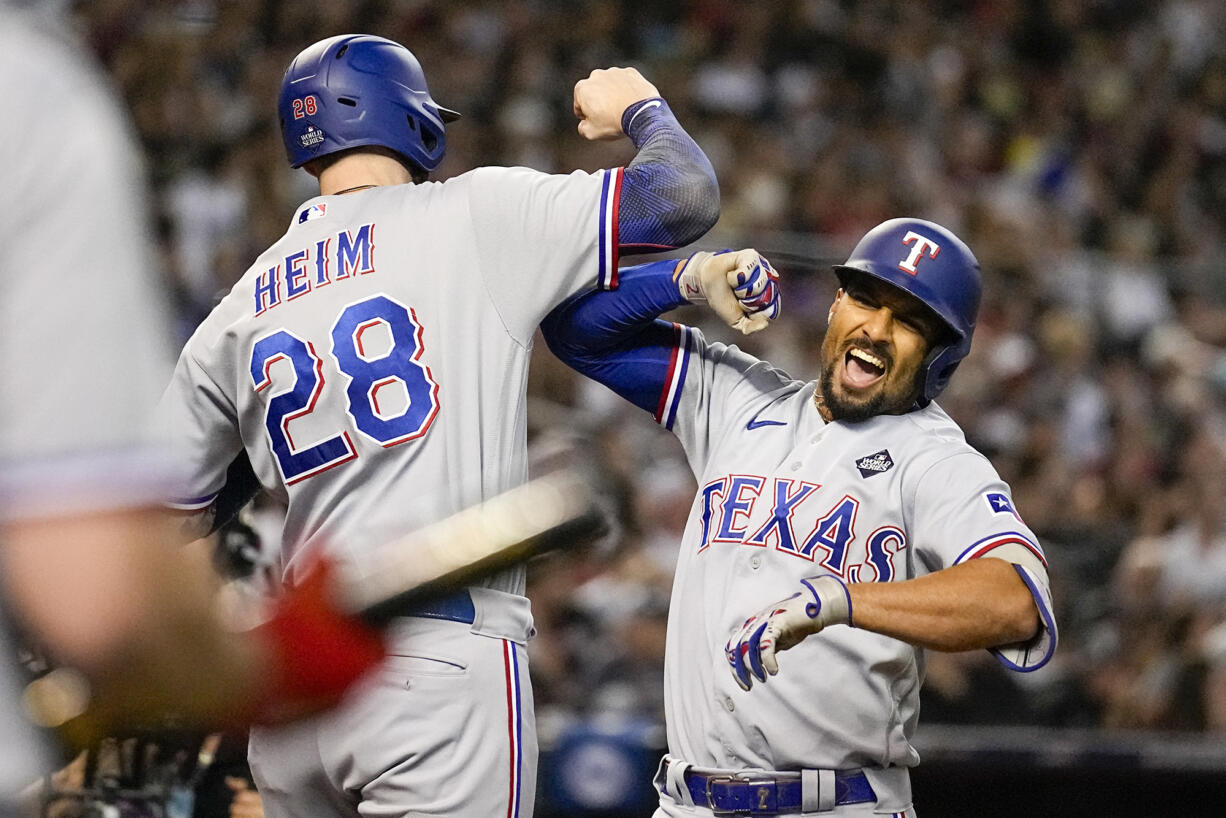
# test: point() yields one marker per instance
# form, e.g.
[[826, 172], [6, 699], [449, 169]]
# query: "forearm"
[[669, 194], [614, 337], [86, 584], [105, 593], [982, 603], [597, 321]]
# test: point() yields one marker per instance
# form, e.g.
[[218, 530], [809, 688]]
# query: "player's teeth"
[[864, 356]]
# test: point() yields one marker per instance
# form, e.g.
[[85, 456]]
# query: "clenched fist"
[[602, 98], [740, 286]]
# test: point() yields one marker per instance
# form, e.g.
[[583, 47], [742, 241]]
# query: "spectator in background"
[[246, 802]]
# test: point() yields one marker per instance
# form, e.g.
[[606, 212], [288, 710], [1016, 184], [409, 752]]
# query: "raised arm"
[[615, 338], [669, 195]]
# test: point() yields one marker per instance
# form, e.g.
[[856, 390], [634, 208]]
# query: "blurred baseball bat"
[[551, 512]]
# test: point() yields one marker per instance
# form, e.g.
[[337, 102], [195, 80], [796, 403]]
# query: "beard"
[[854, 411]]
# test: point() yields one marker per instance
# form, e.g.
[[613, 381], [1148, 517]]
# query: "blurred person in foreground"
[[87, 574], [845, 520]]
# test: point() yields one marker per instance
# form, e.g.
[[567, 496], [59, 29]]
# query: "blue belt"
[[752, 793], [456, 608]]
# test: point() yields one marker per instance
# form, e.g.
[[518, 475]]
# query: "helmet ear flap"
[[938, 367]]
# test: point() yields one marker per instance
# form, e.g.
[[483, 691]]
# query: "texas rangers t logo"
[[922, 245]]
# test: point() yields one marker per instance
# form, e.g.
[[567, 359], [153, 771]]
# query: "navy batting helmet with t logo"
[[356, 90], [935, 266]]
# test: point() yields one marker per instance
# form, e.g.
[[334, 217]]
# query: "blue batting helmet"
[[355, 90], [935, 266]]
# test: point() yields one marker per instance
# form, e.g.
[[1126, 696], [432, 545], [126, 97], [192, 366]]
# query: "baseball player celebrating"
[[372, 366], [844, 520]]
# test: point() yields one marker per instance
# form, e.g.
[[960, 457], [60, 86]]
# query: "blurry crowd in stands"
[[1078, 146]]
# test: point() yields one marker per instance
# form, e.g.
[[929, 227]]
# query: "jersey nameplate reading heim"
[[349, 253]]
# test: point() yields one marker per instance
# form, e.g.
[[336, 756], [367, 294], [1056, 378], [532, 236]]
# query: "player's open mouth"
[[862, 369]]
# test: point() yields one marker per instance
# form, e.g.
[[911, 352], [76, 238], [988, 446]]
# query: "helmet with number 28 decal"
[[358, 90]]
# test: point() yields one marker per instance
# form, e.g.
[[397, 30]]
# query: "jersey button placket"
[[797, 465]]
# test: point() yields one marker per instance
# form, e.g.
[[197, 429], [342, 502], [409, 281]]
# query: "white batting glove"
[[822, 601], [741, 287]]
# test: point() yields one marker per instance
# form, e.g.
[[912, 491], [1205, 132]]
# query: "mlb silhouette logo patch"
[[315, 211], [875, 463]]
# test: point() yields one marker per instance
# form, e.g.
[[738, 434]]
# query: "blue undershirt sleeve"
[[615, 336], [669, 193]]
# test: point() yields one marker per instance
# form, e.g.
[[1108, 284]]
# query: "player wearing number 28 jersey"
[[372, 365]]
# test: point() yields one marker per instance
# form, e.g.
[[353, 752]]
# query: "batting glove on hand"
[[822, 601], [741, 287]]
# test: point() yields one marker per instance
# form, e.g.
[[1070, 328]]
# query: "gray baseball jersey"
[[84, 341], [782, 496], [373, 365], [373, 362]]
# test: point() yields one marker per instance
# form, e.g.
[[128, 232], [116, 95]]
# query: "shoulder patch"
[[1000, 504], [875, 463]]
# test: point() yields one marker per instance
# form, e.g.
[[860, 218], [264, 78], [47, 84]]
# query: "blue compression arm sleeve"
[[615, 337], [669, 193]]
